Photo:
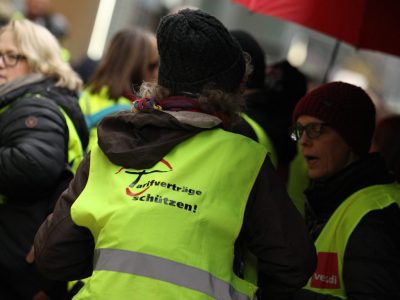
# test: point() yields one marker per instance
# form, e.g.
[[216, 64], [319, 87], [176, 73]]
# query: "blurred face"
[[12, 64], [325, 151], [151, 70], [37, 8]]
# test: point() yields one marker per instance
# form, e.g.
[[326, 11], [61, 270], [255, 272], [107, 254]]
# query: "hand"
[[41, 296], [30, 257]]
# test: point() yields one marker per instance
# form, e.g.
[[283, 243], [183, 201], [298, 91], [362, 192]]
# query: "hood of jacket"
[[31, 84], [16, 88], [140, 140]]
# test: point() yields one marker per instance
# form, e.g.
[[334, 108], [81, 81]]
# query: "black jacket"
[[33, 172], [273, 230], [372, 257], [273, 113], [270, 111]]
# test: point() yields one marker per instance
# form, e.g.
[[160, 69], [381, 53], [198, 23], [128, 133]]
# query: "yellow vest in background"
[[298, 181], [97, 106], [262, 138]]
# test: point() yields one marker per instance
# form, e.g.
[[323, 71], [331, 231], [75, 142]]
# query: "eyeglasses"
[[11, 59], [313, 130]]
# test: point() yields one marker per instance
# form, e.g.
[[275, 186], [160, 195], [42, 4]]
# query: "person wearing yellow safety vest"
[[271, 94], [254, 119], [286, 85], [130, 59], [159, 208], [42, 138], [353, 201]]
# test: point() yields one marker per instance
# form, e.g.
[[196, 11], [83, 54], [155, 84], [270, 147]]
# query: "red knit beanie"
[[346, 108]]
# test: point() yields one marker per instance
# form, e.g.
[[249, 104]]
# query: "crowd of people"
[[187, 167]]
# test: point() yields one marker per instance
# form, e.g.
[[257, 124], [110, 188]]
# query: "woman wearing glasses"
[[40, 127], [353, 203], [131, 58]]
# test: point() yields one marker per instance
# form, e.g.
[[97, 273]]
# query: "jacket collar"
[[14, 89], [324, 196]]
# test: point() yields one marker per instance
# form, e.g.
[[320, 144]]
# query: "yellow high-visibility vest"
[[332, 241], [168, 232]]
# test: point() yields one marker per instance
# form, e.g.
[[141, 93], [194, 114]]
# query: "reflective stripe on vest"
[[188, 209], [262, 138], [332, 241], [166, 270]]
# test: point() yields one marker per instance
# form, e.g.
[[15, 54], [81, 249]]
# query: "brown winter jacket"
[[273, 230]]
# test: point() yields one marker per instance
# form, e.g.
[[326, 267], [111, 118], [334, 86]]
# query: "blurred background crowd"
[[85, 27]]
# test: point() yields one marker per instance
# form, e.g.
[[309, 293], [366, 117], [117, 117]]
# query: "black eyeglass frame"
[[10, 60], [313, 130]]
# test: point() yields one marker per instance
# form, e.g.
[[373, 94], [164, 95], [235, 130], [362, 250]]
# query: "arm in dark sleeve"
[[33, 148], [243, 128], [275, 233], [372, 261], [63, 250]]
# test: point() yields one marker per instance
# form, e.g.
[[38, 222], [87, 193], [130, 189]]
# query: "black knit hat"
[[346, 108], [197, 51], [251, 46]]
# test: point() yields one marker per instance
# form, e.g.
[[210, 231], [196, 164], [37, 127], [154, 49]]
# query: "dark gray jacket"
[[34, 171]]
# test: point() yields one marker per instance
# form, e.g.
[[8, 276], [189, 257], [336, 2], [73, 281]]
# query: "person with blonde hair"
[[42, 137]]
